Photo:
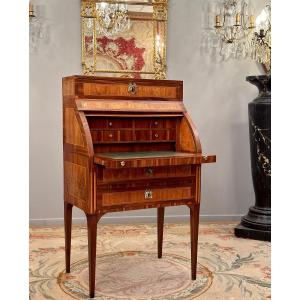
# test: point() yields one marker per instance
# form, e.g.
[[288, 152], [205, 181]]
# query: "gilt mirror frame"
[[144, 42]]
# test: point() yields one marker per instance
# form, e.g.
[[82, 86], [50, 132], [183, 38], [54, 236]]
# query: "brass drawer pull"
[[148, 194], [110, 135], [123, 163], [110, 124], [132, 88], [156, 135], [155, 123]]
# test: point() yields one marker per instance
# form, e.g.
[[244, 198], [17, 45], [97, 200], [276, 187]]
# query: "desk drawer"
[[147, 195], [131, 90], [142, 173]]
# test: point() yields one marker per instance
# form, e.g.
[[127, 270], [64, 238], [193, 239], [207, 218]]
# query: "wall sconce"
[[234, 25], [37, 29], [261, 43], [31, 12]]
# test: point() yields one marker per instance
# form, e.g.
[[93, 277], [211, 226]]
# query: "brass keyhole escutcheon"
[[149, 171], [132, 88], [148, 194]]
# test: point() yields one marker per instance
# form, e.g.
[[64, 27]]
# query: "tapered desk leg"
[[160, 229], [92, 241], [194, 219], [68, 232]]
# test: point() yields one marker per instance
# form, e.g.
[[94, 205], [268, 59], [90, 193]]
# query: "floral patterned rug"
[[128, 267]]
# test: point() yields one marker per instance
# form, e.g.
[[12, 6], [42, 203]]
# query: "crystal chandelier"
[[234, 25], [111, 18], [261, 41]]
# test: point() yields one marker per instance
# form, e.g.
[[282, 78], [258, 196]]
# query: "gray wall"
[[216, 95]]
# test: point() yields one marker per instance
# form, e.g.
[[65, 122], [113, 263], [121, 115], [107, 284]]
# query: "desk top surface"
[[144, 154]]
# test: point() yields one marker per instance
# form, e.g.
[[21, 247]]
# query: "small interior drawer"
[[142, 123], [119, 123], [126, 135], [110, 135], [109, 123], [142, 135], [97, 123], [158, 123], [163, 123], [159, 135]]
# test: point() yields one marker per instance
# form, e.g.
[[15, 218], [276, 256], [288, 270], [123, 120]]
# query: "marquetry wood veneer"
[[128, 144]]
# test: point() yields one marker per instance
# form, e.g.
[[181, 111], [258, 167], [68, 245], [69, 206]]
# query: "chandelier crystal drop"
[[111, 18], [34, 34], [261, 42]]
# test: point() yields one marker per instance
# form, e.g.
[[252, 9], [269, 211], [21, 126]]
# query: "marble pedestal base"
[[255, 225], [255, 234]]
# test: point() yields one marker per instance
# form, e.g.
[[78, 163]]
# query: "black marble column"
[[257, 223]]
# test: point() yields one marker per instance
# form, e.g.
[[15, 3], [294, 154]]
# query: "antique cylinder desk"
[[128, 144]]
